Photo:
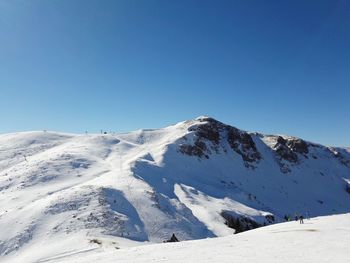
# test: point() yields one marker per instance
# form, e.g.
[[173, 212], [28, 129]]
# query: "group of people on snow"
[[297, 217]]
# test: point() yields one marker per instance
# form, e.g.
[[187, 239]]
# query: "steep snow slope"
[[321, 239], [189, 179]]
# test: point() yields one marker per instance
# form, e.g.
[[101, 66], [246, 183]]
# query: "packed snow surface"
[[321, 240], [66, 194]]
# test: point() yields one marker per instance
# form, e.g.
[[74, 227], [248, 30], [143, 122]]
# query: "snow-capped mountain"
[[199, 178]]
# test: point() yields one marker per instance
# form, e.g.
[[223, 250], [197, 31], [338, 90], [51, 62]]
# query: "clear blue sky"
[[269, 66]]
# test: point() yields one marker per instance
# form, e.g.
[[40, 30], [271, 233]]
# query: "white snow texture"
[[76, 198]]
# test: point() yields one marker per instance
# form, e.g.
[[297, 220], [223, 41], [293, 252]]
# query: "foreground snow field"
[[63, 194], [321, 239]]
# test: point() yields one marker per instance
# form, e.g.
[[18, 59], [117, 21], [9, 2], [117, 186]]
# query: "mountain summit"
[[199, 178]]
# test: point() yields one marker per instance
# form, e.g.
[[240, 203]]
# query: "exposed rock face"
[[289, 150], [198, 149], [298, 145], [242, 223], [210, 136], [210, 130], [284, 151], [243, 144], [239, 223]]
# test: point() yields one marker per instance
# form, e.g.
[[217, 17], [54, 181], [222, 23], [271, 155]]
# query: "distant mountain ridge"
[[199, 178]]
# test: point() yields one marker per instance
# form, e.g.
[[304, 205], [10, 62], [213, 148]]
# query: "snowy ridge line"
[[199, 178]]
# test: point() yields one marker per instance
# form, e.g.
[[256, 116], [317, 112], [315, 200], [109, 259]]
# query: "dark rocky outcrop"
[[198, 149], [210, 130], [290, 150], [239, 223], [298, 145], [284, 152], [209, 133], [243, 144]]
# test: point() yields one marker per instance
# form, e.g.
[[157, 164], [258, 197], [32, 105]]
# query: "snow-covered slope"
[[321, 240], [195, 179]]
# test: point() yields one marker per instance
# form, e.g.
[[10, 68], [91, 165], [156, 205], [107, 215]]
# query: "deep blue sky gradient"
[[269, 66]]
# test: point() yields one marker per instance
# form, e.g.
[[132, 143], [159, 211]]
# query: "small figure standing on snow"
[[301, 218]]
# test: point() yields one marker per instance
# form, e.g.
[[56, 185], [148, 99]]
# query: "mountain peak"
[[204, 118], [200, 178]]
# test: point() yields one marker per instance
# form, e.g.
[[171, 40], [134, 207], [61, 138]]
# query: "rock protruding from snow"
[[211, 136]]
